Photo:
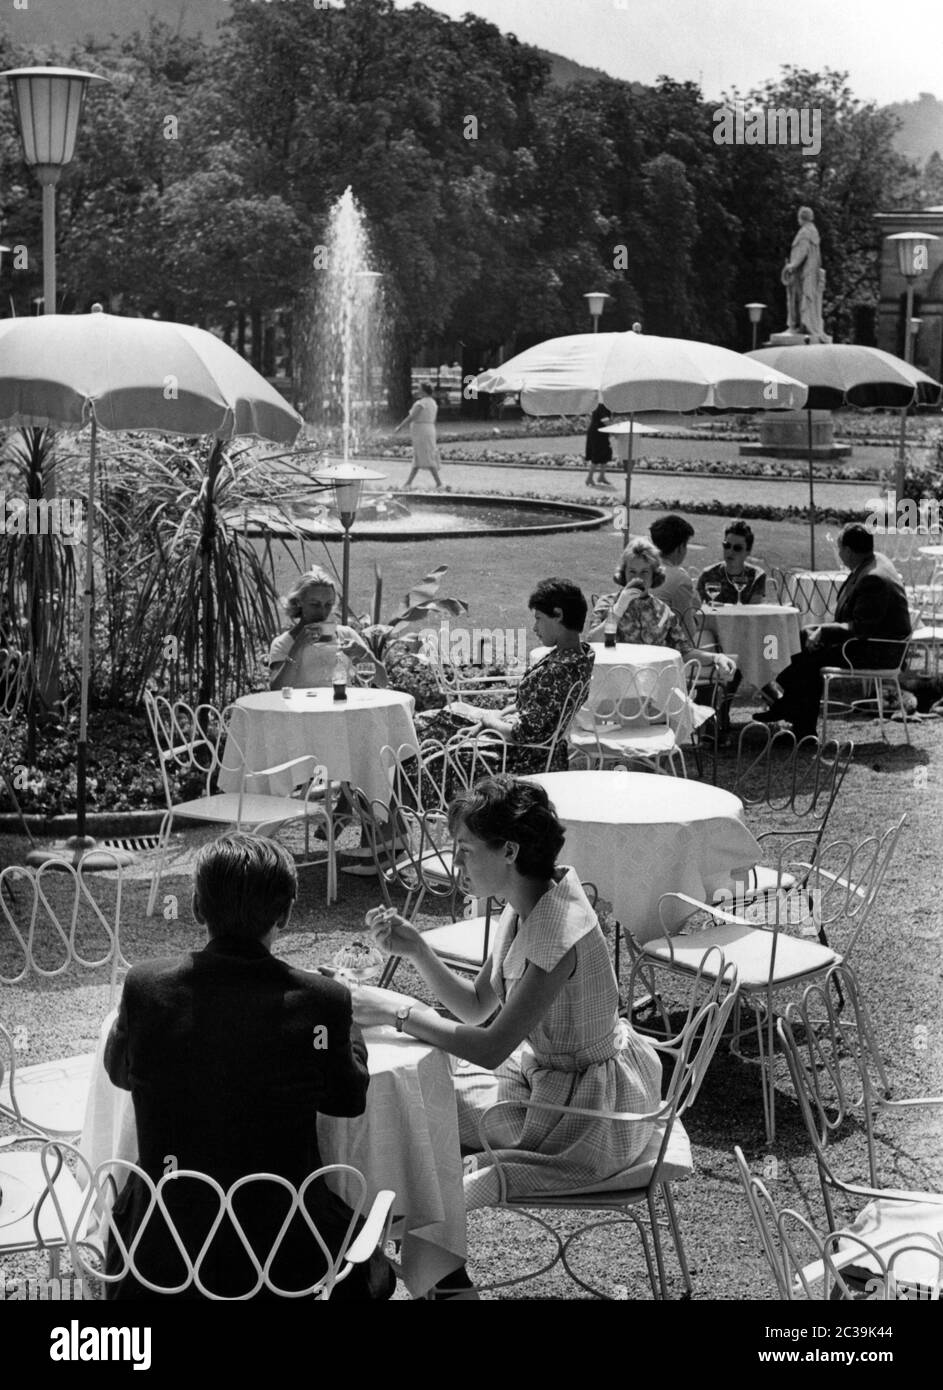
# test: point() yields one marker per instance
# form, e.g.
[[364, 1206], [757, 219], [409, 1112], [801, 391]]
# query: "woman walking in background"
[[421, 418], [598, 447]]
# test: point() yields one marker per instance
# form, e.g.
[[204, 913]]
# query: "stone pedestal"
[[789, 337], [784, 434]]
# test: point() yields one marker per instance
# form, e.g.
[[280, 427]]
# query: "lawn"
[[495, 575]]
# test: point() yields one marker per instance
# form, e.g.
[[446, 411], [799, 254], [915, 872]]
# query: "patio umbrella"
[[840, 374], [631, 372], [67, 371]]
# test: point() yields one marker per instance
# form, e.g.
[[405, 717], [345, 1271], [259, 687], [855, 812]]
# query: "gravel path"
[[646, 487]]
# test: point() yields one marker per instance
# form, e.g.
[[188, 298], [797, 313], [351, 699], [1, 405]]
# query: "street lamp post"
[[597, 299], [48, 103], [755, 310], [912, 261], [347, 480]]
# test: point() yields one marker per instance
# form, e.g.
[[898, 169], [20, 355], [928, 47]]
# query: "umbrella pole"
[[628, 480], [811, 497], [78, 849], [82, 762]]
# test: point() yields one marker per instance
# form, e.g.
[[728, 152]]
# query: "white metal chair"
[[458, 682], [273, 1208], [839, 1075], [792, 783], [485, 753], [633, 719], [666, 1159], [196, 743], [31, 1223], [700, 682], [879, 675], [843, 1265], [423, 779], [36, 940], [810, 922], [413, 853], [927, 636]]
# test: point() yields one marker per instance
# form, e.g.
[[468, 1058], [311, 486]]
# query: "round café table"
[[763, 636], [637, 835], [345, 736], [406, 1140], [814, 593]]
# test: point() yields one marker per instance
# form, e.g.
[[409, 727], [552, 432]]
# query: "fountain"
[[346, 381], [347, 342]]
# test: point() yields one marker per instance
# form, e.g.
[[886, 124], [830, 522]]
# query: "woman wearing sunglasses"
[[739, 581]]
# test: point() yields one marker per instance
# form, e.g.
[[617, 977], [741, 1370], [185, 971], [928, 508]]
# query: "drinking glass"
[[712, 591], [739, 582]]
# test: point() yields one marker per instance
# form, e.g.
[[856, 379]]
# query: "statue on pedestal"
[[804, 279]]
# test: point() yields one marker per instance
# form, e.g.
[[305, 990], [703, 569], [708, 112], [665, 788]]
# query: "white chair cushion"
[[657, 738], [52, 1095], [459, 941], [888, 1225], [631, 1185], [700, 714], [763, 879], [256, 809], [751, 950]]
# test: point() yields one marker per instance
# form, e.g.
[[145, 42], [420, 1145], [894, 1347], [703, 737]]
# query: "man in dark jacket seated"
[[229, 1054], [871, 604]]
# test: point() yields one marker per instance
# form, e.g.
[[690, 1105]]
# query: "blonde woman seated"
[[641, 616], [540, 1022], [307, 654]]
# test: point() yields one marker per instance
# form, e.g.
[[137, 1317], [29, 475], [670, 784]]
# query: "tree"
[[856, 174]]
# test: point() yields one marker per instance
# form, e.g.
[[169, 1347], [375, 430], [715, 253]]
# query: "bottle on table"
[[339, 681]]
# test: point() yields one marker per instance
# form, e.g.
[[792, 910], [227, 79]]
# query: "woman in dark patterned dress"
[[559, 610]]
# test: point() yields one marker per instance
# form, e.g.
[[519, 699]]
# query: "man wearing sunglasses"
[[871, 607], [739, 580]]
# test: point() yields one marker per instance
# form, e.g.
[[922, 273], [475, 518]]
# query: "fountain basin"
[[432, 515]]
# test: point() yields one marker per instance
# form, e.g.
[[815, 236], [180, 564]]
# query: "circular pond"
[[398, 516]]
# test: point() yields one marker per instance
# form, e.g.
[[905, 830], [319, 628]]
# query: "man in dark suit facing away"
[[871, 604], [230, 1054]]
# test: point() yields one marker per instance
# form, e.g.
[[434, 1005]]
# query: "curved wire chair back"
[[800, 779], [629, 695], [184, 1196], [843, 884], [15, 674], [191, 739], [57, 916], [420, 780], [704, 1026], [836, 1068], [486, 753]]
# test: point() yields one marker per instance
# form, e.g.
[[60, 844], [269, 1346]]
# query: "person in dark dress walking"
[[598, 447]]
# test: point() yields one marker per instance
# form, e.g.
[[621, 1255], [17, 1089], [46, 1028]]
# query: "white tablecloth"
[[814, 593], [636, 835], [661, 668], [345, 736], [763, 636], [406, 1140]]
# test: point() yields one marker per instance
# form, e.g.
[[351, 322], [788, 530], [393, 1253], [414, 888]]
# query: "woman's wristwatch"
[[401, 1016]]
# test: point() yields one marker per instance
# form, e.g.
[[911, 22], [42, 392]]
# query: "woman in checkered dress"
[[541, 1021]]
